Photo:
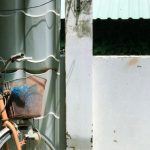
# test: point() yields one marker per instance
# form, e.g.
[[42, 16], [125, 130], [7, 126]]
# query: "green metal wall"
[[123, 9], [39, 38]]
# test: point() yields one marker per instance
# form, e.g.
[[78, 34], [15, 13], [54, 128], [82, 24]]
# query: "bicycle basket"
[[26, 97]]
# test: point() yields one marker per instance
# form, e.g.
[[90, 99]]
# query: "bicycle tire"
[[5, 135], [48, 142]]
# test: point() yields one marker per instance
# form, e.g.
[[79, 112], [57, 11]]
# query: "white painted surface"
[[79, 81], [121, 103], [79, 96]]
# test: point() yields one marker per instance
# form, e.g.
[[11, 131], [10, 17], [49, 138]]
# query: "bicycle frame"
[[4, 116], [7, 123]]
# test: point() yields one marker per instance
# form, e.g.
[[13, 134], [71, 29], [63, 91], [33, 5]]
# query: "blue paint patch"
[[19, 90], [20, 93], [24, 95]]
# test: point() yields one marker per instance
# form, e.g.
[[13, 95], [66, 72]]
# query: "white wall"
[[121, 103], [78, 80]]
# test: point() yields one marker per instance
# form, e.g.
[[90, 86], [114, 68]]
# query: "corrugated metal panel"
[[38, 38], [123, 9], [62, 9]]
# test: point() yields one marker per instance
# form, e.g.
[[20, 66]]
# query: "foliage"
[[121, 37]]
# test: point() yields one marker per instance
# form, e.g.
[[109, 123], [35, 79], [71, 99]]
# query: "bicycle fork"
[[8, 124]]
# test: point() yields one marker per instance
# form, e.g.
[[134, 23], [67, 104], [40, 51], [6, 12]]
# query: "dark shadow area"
[[121, 37], [62, 35]]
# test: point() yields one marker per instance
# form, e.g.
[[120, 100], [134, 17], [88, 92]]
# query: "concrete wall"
[[78, 78], [121, 102]]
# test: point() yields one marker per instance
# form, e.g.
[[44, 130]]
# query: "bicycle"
[[16, 123]]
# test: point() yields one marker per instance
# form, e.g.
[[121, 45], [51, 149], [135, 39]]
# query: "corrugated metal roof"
[[123, 9], [62, 9]]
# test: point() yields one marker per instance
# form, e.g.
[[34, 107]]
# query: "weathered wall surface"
[[78, 77], [121, 103]]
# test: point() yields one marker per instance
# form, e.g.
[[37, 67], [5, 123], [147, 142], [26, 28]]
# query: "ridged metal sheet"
[[62, 9], [37, 38], [123, 9]]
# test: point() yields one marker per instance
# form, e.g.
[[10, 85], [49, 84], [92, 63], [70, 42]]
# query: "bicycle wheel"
[[5, 136], [45, 143], [48, 142]]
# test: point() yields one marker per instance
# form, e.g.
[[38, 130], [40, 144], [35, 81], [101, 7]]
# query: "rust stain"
[[133, 61]]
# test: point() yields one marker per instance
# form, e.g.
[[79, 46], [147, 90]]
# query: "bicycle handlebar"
[[16, 56]]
